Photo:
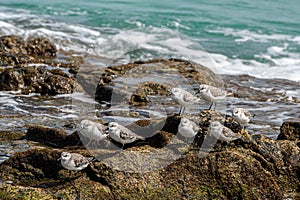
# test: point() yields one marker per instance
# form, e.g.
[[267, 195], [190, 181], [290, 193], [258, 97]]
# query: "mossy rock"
[[255, 167], [6, 136], [37, 80], [52, 136], [140, 96], [289, 130], [194, 73]]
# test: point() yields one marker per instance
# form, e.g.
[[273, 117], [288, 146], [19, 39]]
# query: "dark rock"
[[12, 44], [255, 167], [16, 51], [11, 59], [40, 48], [32, 80], [235, 173], [35, 164], [193, 72], [289, 130], [11, 135], [139, 97], [52, 136]]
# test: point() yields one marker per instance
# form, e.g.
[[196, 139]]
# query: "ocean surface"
[[233, 38], [258, 38]]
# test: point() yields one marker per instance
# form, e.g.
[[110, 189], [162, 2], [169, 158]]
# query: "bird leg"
[[210, 105], [182, 109], [215, 106]]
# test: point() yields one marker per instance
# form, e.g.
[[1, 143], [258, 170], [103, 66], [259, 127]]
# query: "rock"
[[193, 72], [40, 175], [40, 47], [12, 44], [16, 51], [139, 98], [281, 159], [255, 167], [289, 130], [11, 135], [229, 174], [52, 136], [37, 80]]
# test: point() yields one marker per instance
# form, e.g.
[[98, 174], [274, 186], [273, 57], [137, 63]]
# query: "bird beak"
[[59, 159]]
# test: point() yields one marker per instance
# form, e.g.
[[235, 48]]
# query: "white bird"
[[242, 116], [211, 94], [188, 128], [74, 161], [183, 98], [222, 132], [122, 134], [92, 130]]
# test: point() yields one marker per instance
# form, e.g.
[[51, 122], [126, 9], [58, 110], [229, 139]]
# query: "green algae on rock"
[[37, 80], [52, 136], [289, 130], [11, 135], [255, 167], [192, 72]]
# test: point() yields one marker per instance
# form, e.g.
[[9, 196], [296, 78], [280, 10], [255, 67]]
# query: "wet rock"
[[281, 159], [40, 48], [14, 50], [140, 96], [233, 173], [255, 167], [11, 59], [52, 136], [193, 72], [289, 130], [249, 87], [12, 44], [37, 80], [11, 135]]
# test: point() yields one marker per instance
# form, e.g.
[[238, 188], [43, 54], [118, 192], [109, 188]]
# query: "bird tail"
[[141, 138], [91, 159]]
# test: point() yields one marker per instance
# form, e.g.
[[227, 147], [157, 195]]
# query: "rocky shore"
[[163, 166]]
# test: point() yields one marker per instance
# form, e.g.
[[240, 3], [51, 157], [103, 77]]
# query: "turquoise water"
[[259, 38]]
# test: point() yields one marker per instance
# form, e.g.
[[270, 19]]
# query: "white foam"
[[246, 35], [279, 67], [164, 42]]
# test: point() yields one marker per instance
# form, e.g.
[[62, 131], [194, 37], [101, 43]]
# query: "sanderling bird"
[[122, 134], [75, 161], [222, 132], [188, 128], [242, 116], [182, 97], [211, 94], [92, 130]]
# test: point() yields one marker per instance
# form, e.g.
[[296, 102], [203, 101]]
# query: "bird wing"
[[217, 91], [126, 134], [188, 97], [248, 114], [229, 133], [81, 160]]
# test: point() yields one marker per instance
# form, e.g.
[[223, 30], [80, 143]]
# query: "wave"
[[247, 35], [278, 61]]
